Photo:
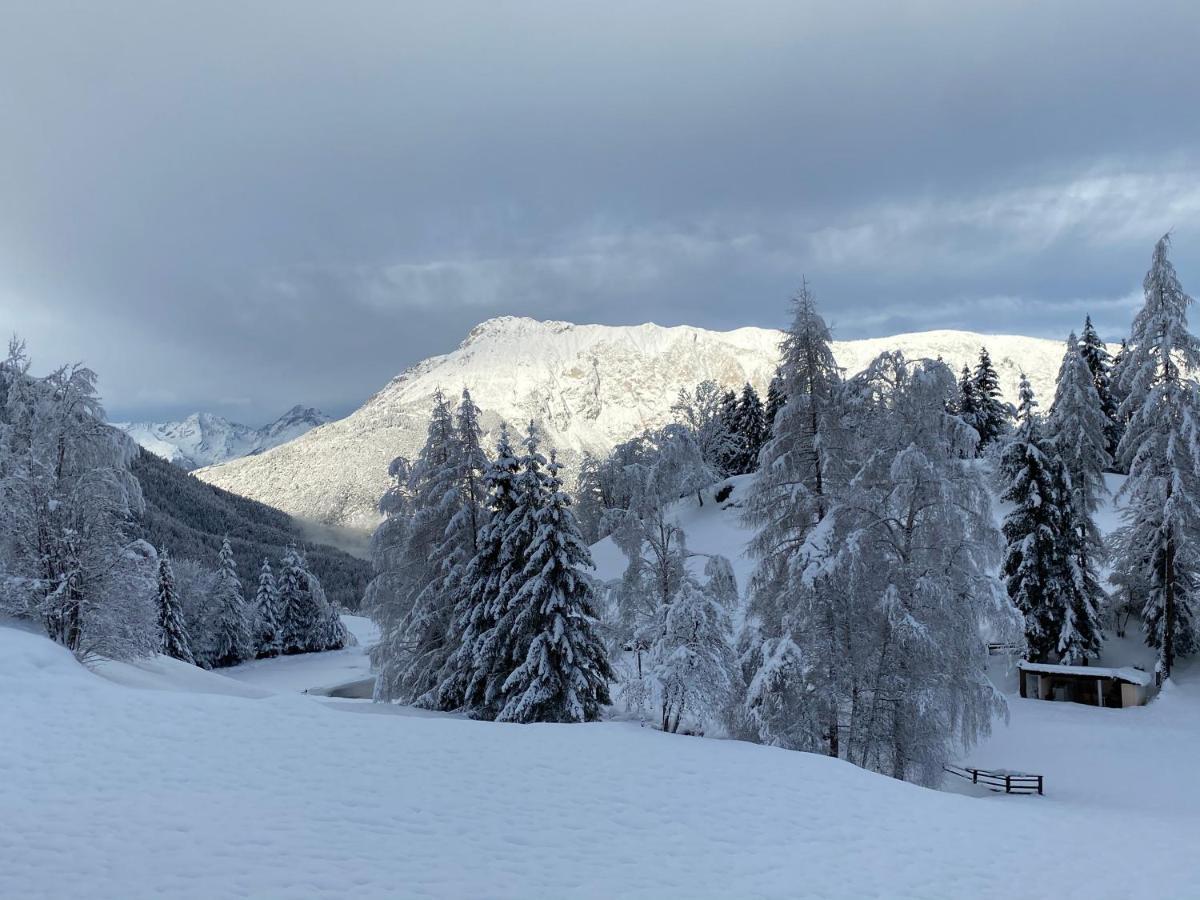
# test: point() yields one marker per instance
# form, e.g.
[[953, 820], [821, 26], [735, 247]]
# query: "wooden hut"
[[1092, 685]]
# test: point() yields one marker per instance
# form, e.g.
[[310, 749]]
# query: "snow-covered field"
[[203, 785], [157, 779]]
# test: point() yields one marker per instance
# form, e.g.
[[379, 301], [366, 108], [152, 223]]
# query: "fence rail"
[[1007, 782]]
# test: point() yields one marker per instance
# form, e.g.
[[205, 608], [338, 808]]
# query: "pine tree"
[[232, 632], [992, 415], [170, 614], [750, 428], [1040, 567], [1100, 365], [468, 681], [267, 603], [563, 672], [498, 650], [415, 613], [1156, 549], [1080, 430], [331, 632], [736, 447], [776, 397], [302, 612]]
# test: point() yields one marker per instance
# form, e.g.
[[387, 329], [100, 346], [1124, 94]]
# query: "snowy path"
[[115, 792], [296, 674]]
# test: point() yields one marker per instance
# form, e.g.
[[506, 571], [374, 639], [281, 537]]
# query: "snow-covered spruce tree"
[[805, 459], [331, 633], [1080, 431], [776, 397], [1100, 364], [1041, 566], [966, 404], [564, 672], [269, 614], [1157, 551], [68, 496], [175, 641], [992, 414], [750, 428], [497, 648], [233, 627], [302, 612], [469, 679], [438, 539]]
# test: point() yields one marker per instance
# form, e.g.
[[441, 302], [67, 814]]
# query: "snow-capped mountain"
[[203, 439], [588, 386]]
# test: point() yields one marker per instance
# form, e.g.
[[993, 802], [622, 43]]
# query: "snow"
[[116, 792], [203, 439], [1133, 676], [589, 386]]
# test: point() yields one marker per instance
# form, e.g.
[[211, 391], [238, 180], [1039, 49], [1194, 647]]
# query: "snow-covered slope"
[[185, 790], [203, 439], [588, 386]]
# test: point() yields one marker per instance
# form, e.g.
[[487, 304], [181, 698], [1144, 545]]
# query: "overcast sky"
[[241, 206]]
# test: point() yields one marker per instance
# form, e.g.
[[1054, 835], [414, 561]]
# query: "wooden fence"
[[999, 781]]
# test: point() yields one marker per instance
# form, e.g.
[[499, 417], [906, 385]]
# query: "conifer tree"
[[302, 611], [1041, 564], [170, 614], [992, 414], [776, 397], [1100, 365], [735, 448], [967, 403], [232, 632], [1080, 431], [266, 602], [1156, 551], [468, 680], [750, 430], [563, 672], [498, 649]]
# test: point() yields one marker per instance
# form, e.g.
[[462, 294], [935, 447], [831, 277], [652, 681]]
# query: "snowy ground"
[[154, 779], [118, 791]]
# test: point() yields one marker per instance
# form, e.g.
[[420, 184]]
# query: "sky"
[[237, 207]]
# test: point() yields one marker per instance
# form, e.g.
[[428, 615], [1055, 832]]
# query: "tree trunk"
[[1168, 648]]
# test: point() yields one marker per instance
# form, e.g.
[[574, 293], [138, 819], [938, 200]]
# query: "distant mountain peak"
[[588, 387], [205, 439]]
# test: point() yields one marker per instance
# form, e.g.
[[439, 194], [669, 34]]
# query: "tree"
[[866, 645], [776, 397], [269, 613], [705, 411], [303, 612], [966, 404], [68, 499], [749, 428], [694, 662], [1155, 550], [992, 414], [1041, 567], [564, 672], [232, 631], [470, 680], [1100, 365], [415, 603], [175, 641], [1080, 431]]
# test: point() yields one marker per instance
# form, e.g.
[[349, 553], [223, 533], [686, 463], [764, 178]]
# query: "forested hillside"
[[190, 518]]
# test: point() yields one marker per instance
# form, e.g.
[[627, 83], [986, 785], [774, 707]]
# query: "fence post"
[[1039, 785], [974, 776], [1008, 784]]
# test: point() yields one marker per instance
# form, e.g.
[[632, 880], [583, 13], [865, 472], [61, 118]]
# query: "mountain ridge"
[[588, 387], [205, 439]]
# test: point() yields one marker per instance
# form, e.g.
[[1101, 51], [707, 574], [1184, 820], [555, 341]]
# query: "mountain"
[[203, 439], [190, 518], [588, 386]]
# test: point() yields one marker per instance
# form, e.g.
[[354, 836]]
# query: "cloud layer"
[[241, 207]]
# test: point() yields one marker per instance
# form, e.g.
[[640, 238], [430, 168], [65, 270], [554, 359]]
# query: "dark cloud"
[[243, 206]]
